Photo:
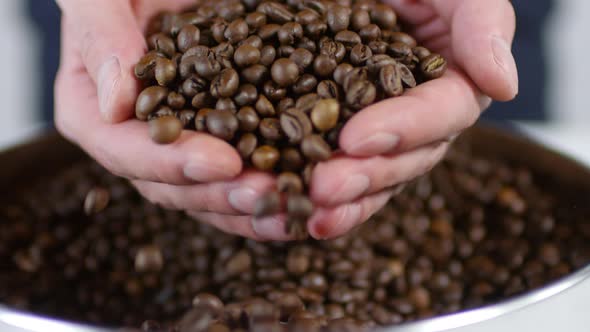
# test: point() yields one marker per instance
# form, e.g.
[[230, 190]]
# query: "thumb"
[[110, 42]]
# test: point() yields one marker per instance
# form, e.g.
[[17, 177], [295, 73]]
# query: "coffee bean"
[[176, 100], [391, 80], [246, 145], [421, 52], [348, 38], [268, 55], [186, 117], [162, 43], [325, 113], [148, 100], [316, 29], [288, 182], [273, 92], [264, 106], [291, 160], [400, 52], [355, 75], [384, 16], [145, 68], [299, 206], [406, 75], [276, 12], [305, 84], [303, 58], [378, 47], [285, 104], [247, 95], [315, 148], [270, 129], [208, 66], [226, 84], [285, 72], [324, 65], [222, 124], [248, 119], [268, 205], [265, 158], [226, 104], [224, 53], [289, 33], [360, 54], [201, 119], [246, 55], [189, 36], [295, 124], [255, 20], [361, 94], [332, 49], [96, 200], [165, 130], [402, 37], [338, 18], [341, 71], [433, 66], [149, 258], [236, 31], [268, 31]]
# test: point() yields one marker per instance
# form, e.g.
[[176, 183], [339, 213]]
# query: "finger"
[[414, 12], [482, 32], [343, 180], [110, 42], [428, 113], [235, 197], [126, 149], [333, 222], [267, 229]]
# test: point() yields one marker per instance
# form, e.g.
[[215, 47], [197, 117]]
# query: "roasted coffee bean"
[[267, 205], [149, 99], [265, 158], [175, 100], [145, 68], [96, 200], [255, 20], [360, 54], [149, 258], [186, 117], [315, 148], [384, 16], [361, 94], [160, 112], [285, 72], [400, 52], [324, 66], [165, 130], [305, 84], [224, 53], [299, 206], [421, 52], [253, 41], [289, 33], [222, 124], [285, 104], [289, 182], [264, 106], [226, 104], [291, 160], [325, 114], [270, 129], [332, 49], [273, 92], [163, 44], [390, 81], [307, 102], [406, 75], [268, 31], [208, 66], [201, 119], [370, 33], [341, 72], [255, 74], [236, 31], [193, 85], [378, 47], [247, 95], [433, 66], [246, 55], [316, 29], [338, 18], [276, 12], [246, 145], [348, 38], [358, 74], [189, 36], [248, 119], [295, 124], [268, 55], [302, 58], [403, 37], [226, 84]]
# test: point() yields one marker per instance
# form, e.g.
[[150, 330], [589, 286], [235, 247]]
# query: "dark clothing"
[[532, 63], [528, 50]]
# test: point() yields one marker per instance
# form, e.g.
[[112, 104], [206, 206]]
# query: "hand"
[[400, 139], [95, 98]]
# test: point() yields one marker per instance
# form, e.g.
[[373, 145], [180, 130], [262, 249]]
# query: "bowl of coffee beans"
[[495, 229], [277, 80]]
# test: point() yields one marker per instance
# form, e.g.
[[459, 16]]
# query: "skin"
[[384, 146]]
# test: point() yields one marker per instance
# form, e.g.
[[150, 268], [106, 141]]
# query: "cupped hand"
[[402, 138], [95, 98]]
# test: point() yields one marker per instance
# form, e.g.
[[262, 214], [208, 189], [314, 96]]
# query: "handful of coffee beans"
[[278, 80], [84, 246]]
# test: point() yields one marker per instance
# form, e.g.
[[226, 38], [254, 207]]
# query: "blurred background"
[[553, 105]]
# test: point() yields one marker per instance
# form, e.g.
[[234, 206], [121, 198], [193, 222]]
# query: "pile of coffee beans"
[[85, 246], [278, 80]]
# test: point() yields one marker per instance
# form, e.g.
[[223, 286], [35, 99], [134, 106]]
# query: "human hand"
[[399, 139], [95, 98]]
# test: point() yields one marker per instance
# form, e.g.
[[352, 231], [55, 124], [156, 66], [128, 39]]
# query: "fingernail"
[[270, 228], [205, 171], [243, 199], [504, 58], [376, 144], [109, 76], [354, 186], [325, 225]]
